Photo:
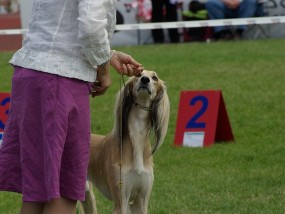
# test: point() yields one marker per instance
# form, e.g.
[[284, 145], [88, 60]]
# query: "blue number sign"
[[4, 104], [202, 119], [193, 122]]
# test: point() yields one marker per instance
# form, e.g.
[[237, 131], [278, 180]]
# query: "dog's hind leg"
[[89, 205]]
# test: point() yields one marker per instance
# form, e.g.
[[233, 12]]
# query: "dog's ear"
[[122, 110], [126, 107], [160, 116]]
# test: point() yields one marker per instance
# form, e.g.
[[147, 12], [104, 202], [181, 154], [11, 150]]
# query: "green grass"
[[246, 176]]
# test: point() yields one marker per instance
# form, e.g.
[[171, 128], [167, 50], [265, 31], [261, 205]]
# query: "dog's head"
[[148, 93], [146, 87]]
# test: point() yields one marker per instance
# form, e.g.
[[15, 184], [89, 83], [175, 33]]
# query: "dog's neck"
[[139, 130], [144, 104]]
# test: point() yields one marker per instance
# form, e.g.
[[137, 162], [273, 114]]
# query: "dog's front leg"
[[121, 199], [140, 204], [121, 203], [89, 205]]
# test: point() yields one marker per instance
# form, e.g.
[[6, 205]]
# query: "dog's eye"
[[139, 75], [155, 78]]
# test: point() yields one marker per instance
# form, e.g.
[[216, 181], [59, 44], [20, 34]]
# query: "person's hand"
[[232, 4], [125, 64], [103, 80]]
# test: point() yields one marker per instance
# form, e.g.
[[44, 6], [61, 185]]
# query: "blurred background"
[[14, 14]]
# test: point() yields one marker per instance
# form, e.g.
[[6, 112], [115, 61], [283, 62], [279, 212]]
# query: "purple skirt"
[[45, 149]]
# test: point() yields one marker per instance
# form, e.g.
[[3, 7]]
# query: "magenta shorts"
[[45, 149]]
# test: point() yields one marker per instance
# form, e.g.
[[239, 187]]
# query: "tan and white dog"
[[121, 164]]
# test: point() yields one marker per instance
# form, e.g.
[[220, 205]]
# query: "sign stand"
[[202, 119], [4, 110]]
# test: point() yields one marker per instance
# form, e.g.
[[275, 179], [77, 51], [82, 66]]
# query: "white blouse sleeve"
[[97, 19]]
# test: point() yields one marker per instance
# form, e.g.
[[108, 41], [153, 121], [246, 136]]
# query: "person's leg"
[[171, 16], [32, 208], [60, 206], [216, 10], [73, 97], [54, 156], [246, 9], [157, 16], [56, 206]]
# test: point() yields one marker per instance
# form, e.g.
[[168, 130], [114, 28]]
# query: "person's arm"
[[97, 21], [95, 29], [96, 25]]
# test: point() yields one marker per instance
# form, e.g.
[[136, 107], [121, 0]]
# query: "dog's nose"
[[145, 80]]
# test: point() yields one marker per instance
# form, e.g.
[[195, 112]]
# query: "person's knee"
[[248, 8], [214, 5], [249, 3], [32, 208], [215, 9], [60, 205], [64, 201]]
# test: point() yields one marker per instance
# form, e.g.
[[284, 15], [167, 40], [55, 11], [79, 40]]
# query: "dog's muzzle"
[[144, 84]]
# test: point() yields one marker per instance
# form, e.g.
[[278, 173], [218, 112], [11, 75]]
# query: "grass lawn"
[[245, 176]]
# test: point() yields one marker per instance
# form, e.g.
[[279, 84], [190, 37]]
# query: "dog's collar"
[[140, 106], [137, 104]]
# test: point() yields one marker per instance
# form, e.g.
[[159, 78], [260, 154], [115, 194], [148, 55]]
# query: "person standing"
[[158, 15], [64, 58], [221, 9]]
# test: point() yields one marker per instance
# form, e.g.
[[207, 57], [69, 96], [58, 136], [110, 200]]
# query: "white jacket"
[[68, 37]]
